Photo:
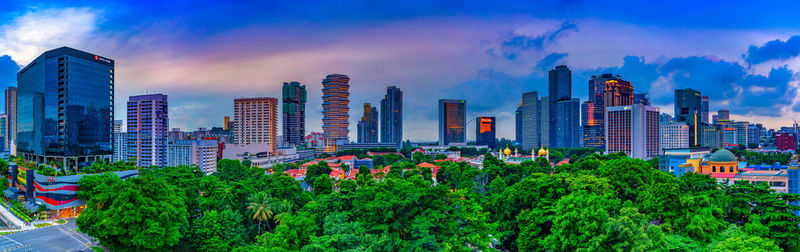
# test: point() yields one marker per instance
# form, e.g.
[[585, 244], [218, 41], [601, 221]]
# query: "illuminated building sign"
[[98, 58]]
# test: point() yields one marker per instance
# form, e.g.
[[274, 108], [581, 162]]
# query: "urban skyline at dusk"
[[487, 54]]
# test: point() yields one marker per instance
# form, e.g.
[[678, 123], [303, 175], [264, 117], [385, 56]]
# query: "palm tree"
[[261, 205], [284, 206]]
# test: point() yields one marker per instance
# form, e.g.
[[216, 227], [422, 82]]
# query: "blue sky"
[[203, 54]]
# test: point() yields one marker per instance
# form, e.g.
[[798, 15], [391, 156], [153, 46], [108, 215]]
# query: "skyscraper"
[[294, 113], [65, 100], [485, 131], [544, 121], [704, 109], [452, 122], [606, 90], [529, 110], [117, 126], [724, 114], [634, 130], [368, 125], [335, 110], [256, 121], [392, 116], [641, 98], [148, 123], [3, 126], [674, 135], [564, 111], [688, 107], [518, 123], [11, 113]]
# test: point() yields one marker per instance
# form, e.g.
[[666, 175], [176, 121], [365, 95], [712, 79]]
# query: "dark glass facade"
[[485, 131], [392, 116], [294, 113], [65, 102], [688, 109]]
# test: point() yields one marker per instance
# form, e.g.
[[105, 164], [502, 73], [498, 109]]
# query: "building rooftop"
[[723, 155]]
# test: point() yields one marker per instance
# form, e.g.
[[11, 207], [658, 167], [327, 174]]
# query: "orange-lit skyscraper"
[[606, 90], [335, 110], [452, 122], [485, 131]]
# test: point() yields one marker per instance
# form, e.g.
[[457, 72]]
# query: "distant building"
[[485, 131], [518, 124], [294, 113], [11, 113], [148, 121], [665, 118], [544, 121], [724, 114], [452, 122], [688, 108], [564, 110], [64, 108], [641, 98], [3, 129], [715, 119], [674, 160], [529, 116], [606, 90], [368, 125], [117, 126], [730, 137], [674, 135], [568, 133], [335, 110], [314, 140], [634, 130], [786, 141], [256, 121], [120, 147], [202, 153], [704, 109], [753, 134], [741, 128], [392, 116], [712, 135]]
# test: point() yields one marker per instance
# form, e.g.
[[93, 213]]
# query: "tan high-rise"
[[256, 121]]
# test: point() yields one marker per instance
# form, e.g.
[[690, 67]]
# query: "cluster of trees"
[[602, 202], [753, 157]]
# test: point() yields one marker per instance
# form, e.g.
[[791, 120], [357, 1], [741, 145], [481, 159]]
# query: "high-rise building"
[[687, 109], [120, 147], [664, 118], [544, 121], [529, 115], [753, 134], [724, 114], [368, 126], [294, 113], [452, 122], [641, 98], [564, 110], [674, 135], [117, 126], [256, 121], [11, 113], [786, 141], [518, 123], [202, 153], [485, 131], [634, 130], [704, 109], [568, 133], [148, 123], [605, 91], [730, 138], [335, 110], [3, 127], [65, 108], [741, 127], [714, 119], [712, 135], [225, 121], [392, 116]]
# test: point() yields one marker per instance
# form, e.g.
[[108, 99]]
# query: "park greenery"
[[594, 203]]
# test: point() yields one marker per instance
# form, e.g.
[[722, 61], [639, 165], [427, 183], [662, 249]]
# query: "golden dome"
[[507, 151], [542, 152]]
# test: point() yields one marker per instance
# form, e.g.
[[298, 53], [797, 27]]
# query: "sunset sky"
[[203, 54]]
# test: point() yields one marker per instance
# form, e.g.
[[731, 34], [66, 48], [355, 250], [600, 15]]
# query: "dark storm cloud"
[[550, 60], [773, 50], [517, 44]]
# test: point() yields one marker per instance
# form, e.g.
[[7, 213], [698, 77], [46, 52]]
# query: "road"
[[52, 238]]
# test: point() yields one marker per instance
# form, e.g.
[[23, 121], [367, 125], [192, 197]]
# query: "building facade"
[[563, 132], [368, 125], [11, 116], [452, 122], [120, 147], [485, 131], [688, 107], [65, 108], [674, 135], [256, 121], [529, 116], [634, 130], [786, 141], [712, 135], [148, 122], [567, 127], [202, 153], [704, 109], [544, 121], [335, 110], [294, 113], [392, 116]]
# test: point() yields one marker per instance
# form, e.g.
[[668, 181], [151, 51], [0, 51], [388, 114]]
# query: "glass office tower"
[[65, 107]]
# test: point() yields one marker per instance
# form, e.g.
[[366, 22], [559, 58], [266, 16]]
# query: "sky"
[[205, 53]]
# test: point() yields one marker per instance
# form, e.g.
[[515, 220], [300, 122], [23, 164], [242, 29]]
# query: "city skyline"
[[753, 76]]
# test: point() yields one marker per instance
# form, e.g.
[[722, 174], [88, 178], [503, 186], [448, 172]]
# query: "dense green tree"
[[91, 185], [317, 170], [579, 222], [323, 185], [261, 207], [218, 231], [140, 214]]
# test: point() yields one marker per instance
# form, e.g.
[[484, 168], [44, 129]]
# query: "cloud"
[[36, 31], [773, 50], [550, 60], [517, 44]]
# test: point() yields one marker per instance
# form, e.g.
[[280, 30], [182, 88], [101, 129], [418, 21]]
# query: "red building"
[[786, 141]]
